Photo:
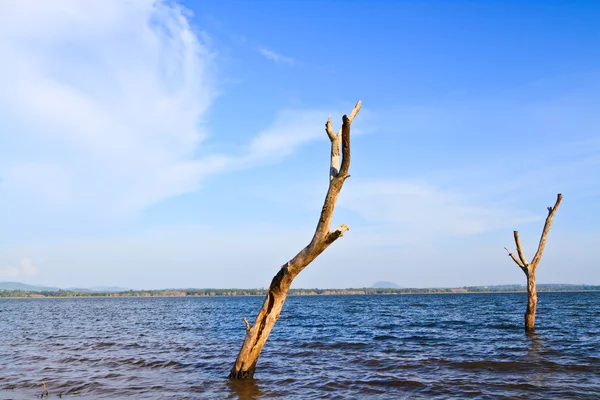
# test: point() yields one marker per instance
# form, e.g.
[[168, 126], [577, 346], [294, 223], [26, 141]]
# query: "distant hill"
[[23, 286], [385, 285]]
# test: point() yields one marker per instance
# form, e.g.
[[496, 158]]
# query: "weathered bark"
[[531, 304], [530, 268], [257, 334]]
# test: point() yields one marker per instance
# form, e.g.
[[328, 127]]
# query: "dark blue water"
[[334, 347]]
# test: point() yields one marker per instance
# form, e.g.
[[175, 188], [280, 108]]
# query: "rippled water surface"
[[335, 347]]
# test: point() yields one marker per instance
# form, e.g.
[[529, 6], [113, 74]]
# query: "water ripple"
[[334, 347]]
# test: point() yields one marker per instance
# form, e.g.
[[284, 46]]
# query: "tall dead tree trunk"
[[530, 268], [257, 334]]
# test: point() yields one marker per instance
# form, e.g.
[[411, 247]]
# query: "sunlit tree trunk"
[[257, 334], [531, 304], [530, 268]]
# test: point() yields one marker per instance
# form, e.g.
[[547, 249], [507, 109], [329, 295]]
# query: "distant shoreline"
[[19, 294]]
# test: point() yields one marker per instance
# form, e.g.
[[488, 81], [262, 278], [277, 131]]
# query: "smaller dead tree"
[[257, 334], [530, 268]]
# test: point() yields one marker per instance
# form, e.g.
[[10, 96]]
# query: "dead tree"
[[257, 334], [530, 268]]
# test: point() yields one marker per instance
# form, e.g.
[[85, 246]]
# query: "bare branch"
[[329, 130], [336, 142], [514, 258], [247, 325], [547, 225], [342, 229], [334, 166], [336, 234], [520, 249], [355, 111], [346, 121], [345, 148]]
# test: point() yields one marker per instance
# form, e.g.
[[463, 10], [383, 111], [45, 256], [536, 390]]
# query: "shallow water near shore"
[[334, 347]]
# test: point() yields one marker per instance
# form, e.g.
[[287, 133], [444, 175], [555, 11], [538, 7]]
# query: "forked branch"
[[346, 121], [519, 263], [520, 249], [522, 261], [530, 268], [337, 142]]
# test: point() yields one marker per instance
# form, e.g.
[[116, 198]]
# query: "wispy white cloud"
[[390, 211], [276, 57], [27, 268], [9, 272], [102, 107], [422, 210], [102, 103], [291, 129]]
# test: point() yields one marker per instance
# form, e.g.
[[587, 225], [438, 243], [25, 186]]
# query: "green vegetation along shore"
[[294, 292]]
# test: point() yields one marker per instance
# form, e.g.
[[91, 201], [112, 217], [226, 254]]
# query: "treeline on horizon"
[[296, 292]]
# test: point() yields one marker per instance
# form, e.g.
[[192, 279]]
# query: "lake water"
[[334, 347]]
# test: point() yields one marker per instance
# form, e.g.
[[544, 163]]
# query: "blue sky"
[[181, 144]]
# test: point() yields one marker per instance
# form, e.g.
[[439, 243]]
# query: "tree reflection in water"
[[246, 389]]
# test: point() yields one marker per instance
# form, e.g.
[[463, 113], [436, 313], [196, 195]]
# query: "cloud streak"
[[276, 57], [424, 211], [9, 272], [27, 268], [94, 127], [91, 122]]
